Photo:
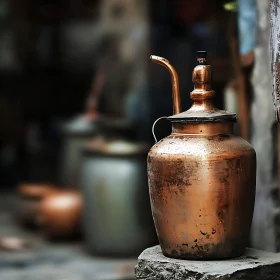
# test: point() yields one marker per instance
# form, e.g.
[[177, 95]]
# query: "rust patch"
[[172, 173], [207, 251]]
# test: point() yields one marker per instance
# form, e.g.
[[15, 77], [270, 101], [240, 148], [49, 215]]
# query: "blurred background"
[[78, 98]]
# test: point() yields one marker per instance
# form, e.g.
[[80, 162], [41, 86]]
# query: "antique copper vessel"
[[201, 177]]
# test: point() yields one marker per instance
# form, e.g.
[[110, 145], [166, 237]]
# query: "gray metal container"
[[76, 134], [117, 215]]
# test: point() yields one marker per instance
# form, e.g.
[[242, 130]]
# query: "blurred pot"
[[79, 131], [75, 134], [60, 215], [29, 199], [117, 219]]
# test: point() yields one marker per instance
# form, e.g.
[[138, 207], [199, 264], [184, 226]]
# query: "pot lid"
[[203, 109]]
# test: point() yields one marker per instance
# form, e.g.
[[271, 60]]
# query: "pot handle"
[[153, 127]]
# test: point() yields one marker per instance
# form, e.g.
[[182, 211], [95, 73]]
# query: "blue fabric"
[[247, 25]]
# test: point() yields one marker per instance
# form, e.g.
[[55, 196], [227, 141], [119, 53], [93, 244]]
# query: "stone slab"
[[253, 265]]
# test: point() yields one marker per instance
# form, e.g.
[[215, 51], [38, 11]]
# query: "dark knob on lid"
[[201, 57], [201, 54]]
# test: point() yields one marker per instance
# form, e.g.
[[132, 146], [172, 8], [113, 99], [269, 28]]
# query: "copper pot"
[[60, 215], [201, 177], [29, 199]]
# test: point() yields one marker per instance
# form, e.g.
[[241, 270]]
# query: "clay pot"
[[29, 200], [60, 215]]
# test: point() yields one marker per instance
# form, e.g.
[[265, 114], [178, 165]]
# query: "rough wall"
[[264, 227], [275, 53]]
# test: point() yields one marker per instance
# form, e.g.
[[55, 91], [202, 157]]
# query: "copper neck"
[[202, 128], [202, 95], [202, 105]]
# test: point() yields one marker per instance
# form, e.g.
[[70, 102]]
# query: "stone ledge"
[[253, 265]]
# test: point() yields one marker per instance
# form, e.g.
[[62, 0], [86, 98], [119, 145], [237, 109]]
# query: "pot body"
[[202, 191], [71, 158], [117, 218]]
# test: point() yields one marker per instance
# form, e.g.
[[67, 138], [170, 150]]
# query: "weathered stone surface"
[[254, 265]]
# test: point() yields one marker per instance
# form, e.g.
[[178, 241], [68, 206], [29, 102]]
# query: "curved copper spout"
[[175, 81]]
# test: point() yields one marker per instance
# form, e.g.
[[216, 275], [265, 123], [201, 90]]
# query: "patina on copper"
[[202, 179]]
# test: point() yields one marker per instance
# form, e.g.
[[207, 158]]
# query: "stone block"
[[253, 265]]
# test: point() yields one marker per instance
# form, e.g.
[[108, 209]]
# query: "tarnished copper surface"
[[202, 182]]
